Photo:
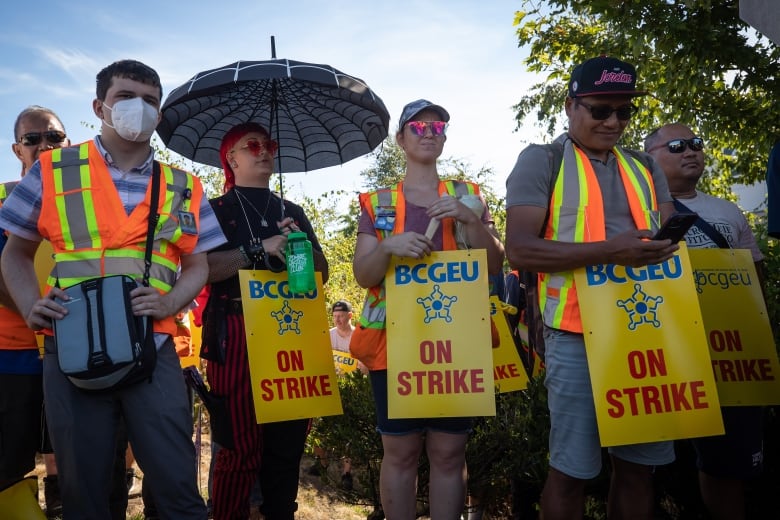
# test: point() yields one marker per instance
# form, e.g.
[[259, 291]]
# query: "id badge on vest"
[[385, 218], [187, 223]]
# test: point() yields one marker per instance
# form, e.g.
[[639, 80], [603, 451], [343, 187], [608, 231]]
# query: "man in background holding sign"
[[724, 461], [551, 231], [341, 333]]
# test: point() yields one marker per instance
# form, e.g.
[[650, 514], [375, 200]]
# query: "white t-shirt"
[[337, 342], [724, 216]]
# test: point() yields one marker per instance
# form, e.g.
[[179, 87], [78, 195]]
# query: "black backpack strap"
[[705, 227], [555, 156]]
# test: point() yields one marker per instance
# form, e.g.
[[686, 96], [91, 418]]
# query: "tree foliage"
[[388, 168], [702, 64], [337, 235]]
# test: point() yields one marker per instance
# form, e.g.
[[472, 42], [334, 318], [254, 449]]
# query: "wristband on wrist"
[[244, 255], [254, 251]]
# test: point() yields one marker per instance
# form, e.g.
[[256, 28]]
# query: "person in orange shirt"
[[21, 386]]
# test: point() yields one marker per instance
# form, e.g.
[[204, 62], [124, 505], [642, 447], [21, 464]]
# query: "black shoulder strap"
[[153, 218], [705, 227], [555, 156]]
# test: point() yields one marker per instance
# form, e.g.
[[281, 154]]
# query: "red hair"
[[229, 141]]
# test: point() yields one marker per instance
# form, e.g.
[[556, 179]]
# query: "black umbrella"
[[319, 116]]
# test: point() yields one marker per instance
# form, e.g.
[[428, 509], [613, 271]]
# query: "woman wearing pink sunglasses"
[[403, 221]]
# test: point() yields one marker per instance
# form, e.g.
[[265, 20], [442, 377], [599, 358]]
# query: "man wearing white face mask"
[[133, 119], [92, 202]]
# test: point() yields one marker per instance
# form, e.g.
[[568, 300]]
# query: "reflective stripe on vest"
[[374, 313], [5, 190], [577, 187], [92, 235]]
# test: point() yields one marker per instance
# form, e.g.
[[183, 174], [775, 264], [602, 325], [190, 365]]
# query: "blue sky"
[[461, 54]]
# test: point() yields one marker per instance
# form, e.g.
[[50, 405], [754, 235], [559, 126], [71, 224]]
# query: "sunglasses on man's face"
[[256, 147], [603, 112], [418, 127], [696, 144], [35, 138]]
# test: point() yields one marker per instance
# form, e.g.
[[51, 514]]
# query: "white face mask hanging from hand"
[[133, 119]]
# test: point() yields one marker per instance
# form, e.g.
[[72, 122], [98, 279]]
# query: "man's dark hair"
[[33, 109], [130, 69]]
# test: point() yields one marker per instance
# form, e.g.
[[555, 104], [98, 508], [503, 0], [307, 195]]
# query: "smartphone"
[[676, 226]]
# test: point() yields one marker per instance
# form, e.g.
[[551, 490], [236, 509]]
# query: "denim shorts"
[[739, 453], [575, 448], [387, 426]]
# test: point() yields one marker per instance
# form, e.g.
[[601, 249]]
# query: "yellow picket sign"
[[647, 353], [508, 371], [536, 364], [439, 360], [196, 337], [44, 265], [742, 348], [290, 361], [343, 362]]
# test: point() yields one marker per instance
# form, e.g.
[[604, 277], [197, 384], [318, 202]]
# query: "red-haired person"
[[256, 230]]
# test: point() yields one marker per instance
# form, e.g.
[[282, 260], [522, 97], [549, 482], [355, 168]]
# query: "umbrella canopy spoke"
[[320, 116]]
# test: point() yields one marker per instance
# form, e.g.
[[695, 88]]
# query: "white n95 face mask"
[[133, 119]]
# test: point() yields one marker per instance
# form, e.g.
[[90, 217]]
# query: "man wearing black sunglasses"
[[724, 461], [628, 197], [36, 129]]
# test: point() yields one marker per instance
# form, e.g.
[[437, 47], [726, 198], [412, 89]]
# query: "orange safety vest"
[[577, 187], [371, 349], [14, 332], [92, 235]]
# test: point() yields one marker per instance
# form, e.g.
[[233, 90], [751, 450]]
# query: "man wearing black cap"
[[341, 332], [627, 198], [340, 335]]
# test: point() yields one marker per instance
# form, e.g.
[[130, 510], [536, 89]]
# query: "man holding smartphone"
[[628, 200], [724, 461]]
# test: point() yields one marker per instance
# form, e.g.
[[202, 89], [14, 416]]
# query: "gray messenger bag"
[[101, 344]]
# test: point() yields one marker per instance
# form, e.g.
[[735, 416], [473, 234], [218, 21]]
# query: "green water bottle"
[[300, 264]]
